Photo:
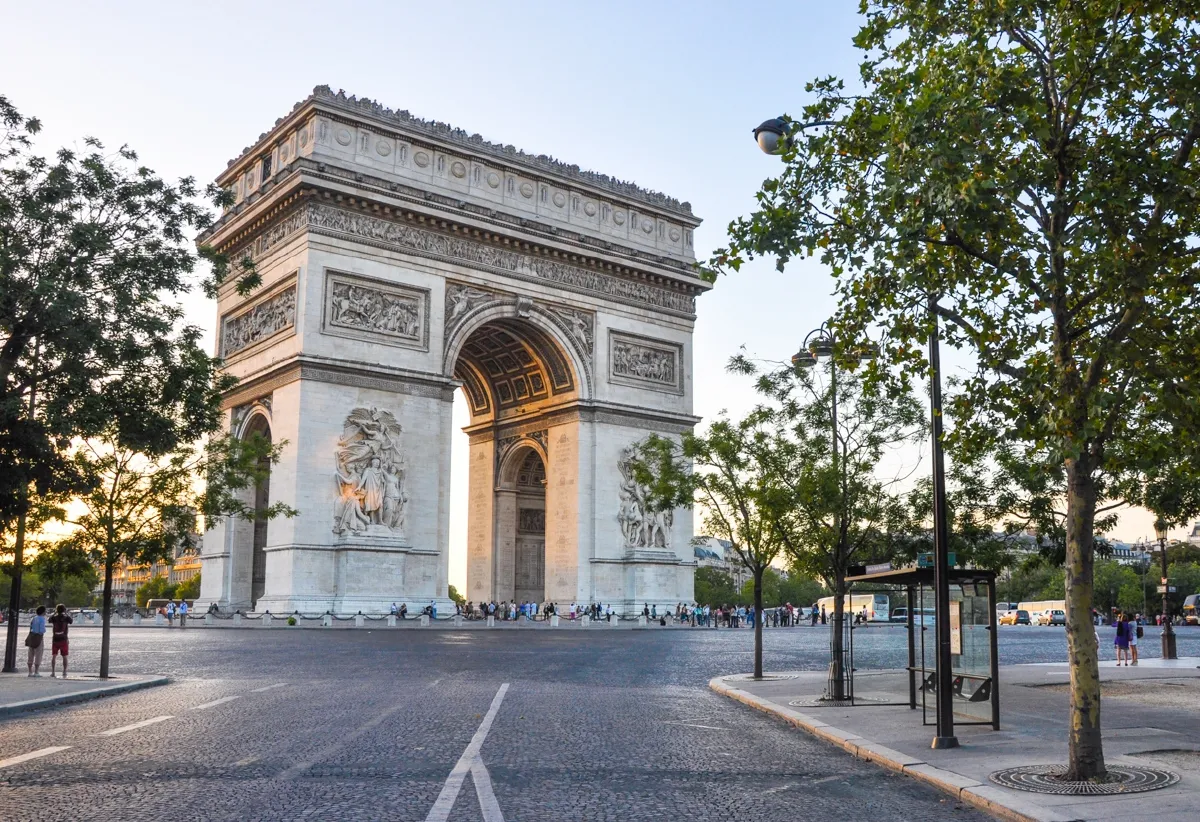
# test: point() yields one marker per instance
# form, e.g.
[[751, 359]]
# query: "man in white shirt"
[[183, 612]]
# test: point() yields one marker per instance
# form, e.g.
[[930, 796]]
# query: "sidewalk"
[[19, 692], [1150, 717]]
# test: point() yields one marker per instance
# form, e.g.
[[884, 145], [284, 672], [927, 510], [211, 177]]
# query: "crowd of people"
[[694, 615]]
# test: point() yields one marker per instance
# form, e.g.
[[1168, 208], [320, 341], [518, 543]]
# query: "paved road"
[[340, 725]]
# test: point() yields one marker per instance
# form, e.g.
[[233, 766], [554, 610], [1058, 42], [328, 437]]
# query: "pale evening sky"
[[660, 93]]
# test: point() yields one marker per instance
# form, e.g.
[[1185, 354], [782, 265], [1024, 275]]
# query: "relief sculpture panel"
[[266, 319], [645, 363], [374, 310]]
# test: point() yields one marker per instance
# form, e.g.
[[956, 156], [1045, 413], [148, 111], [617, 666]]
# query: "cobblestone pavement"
[[369, 725]]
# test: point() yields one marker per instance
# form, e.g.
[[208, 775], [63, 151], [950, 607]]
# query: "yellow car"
[[1015, 618]]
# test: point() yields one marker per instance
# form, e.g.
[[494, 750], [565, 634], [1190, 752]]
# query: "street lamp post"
[[821, 343], [1168, 632], [775, 136]]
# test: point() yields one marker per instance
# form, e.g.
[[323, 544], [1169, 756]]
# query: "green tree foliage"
[[1029, 168], [31, 587], [715, 587], [94, 252], [456, 596], [154, 588], [189, 589], [780, 590], [62, 564]]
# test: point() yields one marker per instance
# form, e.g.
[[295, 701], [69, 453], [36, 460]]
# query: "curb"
[[989, 798], [81, 696]]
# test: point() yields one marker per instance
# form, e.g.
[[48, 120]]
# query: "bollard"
[[391, 620], [137, 618], [237, 619], [424, 623], [584, 621], [491, 623], [554, 620], [160, 620], [115, 620], [208, 620], [326, 620], [641, 620], [359, 620], [267, 619], [613, 620], [458, 620]]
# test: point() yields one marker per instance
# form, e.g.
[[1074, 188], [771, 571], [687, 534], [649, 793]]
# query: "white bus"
[[1038, 607], [876, 606]]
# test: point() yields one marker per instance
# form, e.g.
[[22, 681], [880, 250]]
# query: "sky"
[[664, 94]]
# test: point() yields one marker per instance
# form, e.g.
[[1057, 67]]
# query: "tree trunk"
[[106, 613], [1085, 749], [14, 598], [837, 677], [758, 620]]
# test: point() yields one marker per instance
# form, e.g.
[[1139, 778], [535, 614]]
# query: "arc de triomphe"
[[401, 260]]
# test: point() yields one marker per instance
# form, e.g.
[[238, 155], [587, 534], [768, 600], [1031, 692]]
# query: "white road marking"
[[440, 812], [215, 702], [483, 791], [38, 754], [135, 726], [241, 763], [268, 687]]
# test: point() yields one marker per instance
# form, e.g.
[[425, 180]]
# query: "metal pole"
[[1168, 633], [941, 550], [839, 606]]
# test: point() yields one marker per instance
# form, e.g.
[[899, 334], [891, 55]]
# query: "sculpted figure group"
[[641, 527], [370, 475]]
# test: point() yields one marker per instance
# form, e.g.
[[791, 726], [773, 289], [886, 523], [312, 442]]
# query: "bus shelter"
[[975, 668]]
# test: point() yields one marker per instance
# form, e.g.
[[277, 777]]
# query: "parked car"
[[1054, 617], [1015, 618]]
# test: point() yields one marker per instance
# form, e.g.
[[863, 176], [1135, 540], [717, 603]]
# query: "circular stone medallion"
[[384, 148], [421, 159], [647, 225], [675, 235], [343, 136], [619, 217], [589, 209], [526, 190], [458, 169], [494, 180], [1049, 779], [560, 199]]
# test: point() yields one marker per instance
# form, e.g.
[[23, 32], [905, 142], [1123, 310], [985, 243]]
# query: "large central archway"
[[521, 375]]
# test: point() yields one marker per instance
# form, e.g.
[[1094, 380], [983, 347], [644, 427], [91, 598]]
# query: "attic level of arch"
[[309, 178]]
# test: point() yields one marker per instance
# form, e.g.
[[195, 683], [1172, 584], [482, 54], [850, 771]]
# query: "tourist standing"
[[35, 641], [171, 614], [1121, 640], [58, 638], [1135, 628], [183, 612]]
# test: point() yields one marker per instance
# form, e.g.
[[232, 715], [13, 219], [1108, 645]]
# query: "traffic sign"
[[1163, 589], [926, 560]]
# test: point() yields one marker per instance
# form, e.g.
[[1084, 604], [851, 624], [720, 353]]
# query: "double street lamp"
[[821, 343], [1168, 632], [775, 136]]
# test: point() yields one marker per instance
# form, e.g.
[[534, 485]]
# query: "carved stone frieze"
[[531, 520], [579, 325], [368, 227], [375, 310], [265, 319], [646, 363]]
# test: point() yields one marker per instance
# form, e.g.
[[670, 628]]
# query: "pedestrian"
[[394, 609], [183, 613], [171, 614], [58, 638], [1135, 631], [824, 618], [1121, 640], [34, 642]]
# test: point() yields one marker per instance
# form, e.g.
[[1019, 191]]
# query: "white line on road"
[[484, 792], [215, 702], [38, 754], [269, 687], [135, 726], [440, 812]]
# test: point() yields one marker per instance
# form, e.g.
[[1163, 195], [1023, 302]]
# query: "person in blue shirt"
[[36, 641]]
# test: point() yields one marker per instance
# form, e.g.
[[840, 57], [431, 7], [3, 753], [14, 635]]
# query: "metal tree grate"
[[822, 702], [1049, 779], [765, 677]]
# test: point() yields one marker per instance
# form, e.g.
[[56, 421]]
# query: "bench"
[[981, 693]]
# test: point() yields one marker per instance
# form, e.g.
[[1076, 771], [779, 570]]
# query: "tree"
[[456, 596], [829, 509], [726, 470], [154, 588], [189, 589], [714, 587], [58, 565], [93, 249], [1027, 172]]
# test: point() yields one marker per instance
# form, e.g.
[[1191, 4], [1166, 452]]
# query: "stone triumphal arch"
[[401, 261]]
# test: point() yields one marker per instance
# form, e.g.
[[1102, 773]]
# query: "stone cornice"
[[321, 212], [304, 172], [324, 99]]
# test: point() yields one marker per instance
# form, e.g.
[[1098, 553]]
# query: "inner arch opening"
[[506, 365]]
